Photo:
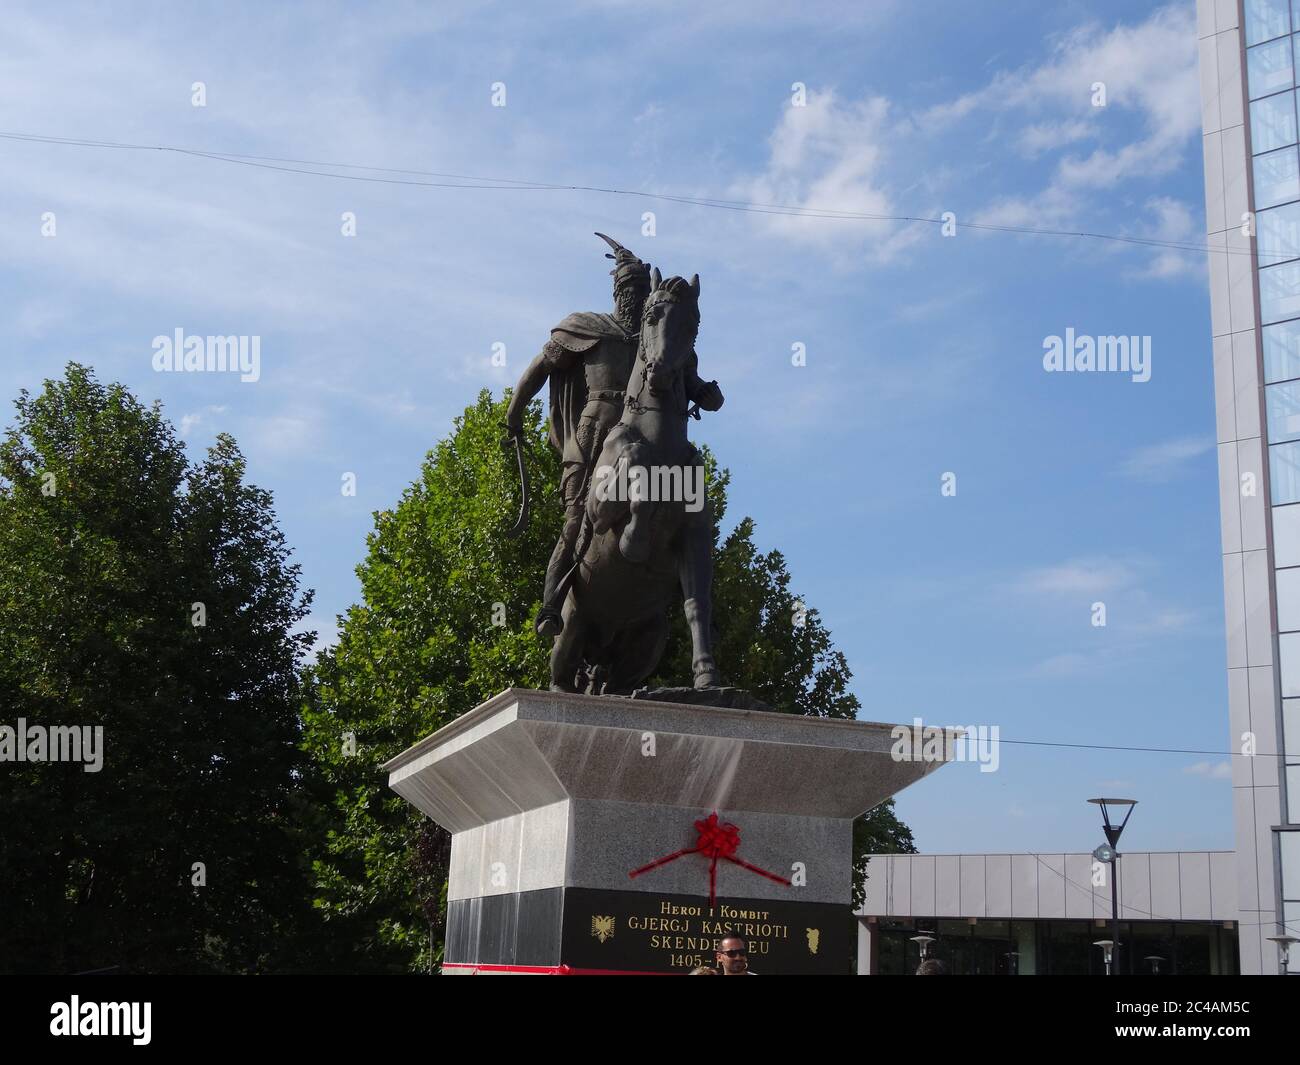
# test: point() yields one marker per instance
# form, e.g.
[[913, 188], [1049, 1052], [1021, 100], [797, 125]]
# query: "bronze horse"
[[637, 549]]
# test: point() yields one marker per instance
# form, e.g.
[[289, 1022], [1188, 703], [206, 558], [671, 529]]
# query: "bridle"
[[633, 401]]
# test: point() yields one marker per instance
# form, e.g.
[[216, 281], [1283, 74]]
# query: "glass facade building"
[[1249, 60], [1056, 948], [1044, 914]]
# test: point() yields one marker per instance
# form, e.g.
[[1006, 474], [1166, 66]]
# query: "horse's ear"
[[655, 278], [695, 285]]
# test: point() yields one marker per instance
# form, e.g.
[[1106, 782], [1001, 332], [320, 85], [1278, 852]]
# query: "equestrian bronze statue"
[[637, 519]]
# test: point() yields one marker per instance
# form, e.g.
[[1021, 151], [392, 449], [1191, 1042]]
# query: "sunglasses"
[[741, 953]]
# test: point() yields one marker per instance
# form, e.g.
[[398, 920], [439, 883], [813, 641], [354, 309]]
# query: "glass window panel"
[[1288, 645], [1282, 404], [1268, 68], [1281, 352], [1290, 865], [1279, 292], [1277, 177], [1291, 915], [1293, 805], [1284, 472], [1277, 234], [1272, 122], [1288, 600], [1266, 19], [1291, 730], [1286, 536]]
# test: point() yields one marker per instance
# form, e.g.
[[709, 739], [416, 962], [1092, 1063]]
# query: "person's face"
[[733, 956], [629, 299]]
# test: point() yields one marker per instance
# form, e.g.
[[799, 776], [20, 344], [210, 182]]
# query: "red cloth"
[[715, 840]]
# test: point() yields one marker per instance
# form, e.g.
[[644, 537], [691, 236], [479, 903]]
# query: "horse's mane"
[[677, 290]]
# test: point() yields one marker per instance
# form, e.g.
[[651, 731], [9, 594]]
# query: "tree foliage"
[[109, 540]]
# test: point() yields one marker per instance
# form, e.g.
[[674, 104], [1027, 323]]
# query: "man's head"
[[932, 967], [631, 283], [733, 956]]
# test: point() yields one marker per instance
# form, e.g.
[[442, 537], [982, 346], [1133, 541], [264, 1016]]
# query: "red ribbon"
[[718, 840]]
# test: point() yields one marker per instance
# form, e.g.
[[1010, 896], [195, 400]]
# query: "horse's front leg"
[[636, 540], [566, 650], [695, 571]]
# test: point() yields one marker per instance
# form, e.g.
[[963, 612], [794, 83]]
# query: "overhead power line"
[[312, 168]]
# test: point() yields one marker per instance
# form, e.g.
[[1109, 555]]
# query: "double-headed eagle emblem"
[[602, 927]]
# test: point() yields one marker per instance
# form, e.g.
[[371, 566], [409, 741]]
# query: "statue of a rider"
[[588, 360]]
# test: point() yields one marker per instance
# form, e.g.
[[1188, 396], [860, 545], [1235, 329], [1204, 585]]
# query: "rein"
[[634, 404]]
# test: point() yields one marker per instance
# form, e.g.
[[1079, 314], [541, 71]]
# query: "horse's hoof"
[[548, 623], [708, 678]]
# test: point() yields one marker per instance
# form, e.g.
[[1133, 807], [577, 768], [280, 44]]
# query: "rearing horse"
[[640, 549]]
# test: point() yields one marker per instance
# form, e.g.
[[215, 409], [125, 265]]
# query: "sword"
[[521, 522]]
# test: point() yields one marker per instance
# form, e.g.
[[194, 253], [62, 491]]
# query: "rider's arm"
[[706, 393], [552, 357]]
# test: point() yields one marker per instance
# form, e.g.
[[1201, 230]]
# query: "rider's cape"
[[578, 333]]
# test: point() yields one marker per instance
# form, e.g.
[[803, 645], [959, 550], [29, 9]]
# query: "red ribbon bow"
[[716, 840]]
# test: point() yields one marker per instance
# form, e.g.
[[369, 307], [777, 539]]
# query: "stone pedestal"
[[554, 799]]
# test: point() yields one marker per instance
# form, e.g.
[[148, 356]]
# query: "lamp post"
[[1107, 950], [1283, 951], [923, 941], [1108, 853]]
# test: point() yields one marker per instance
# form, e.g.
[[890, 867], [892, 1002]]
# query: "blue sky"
[[924, 353]]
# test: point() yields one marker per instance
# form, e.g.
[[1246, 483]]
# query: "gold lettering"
[[680, 911]]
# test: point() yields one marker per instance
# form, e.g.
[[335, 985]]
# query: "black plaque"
[[642, 932]]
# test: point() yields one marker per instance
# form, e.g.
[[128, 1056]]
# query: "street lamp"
[[923, 941], [1107, 949], [1283, 951], [1108, 853], [1154, 961]]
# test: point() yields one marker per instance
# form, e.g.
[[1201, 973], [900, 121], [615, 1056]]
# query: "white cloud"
[[1084, 576], [1173, 220], [1164, 621], [299, 432], [1132, 613], [191, 421], [1149, 70], [1044, 136], [1068, 664], [1166, 460], [832, 154], [1210, 770], [828, 156]]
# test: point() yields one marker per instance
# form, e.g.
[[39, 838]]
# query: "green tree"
[[445, 621], [152, 598]]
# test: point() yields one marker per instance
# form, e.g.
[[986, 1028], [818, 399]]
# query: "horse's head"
[[669, 324]]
